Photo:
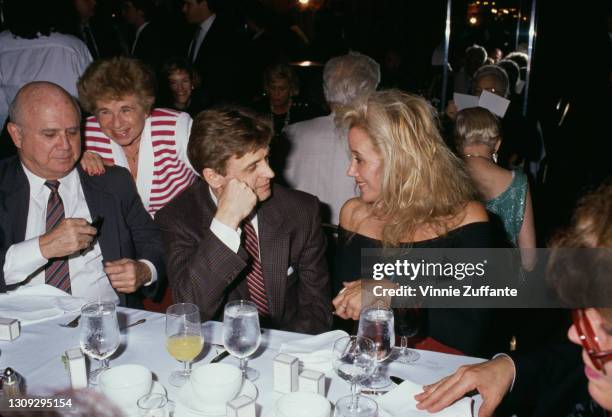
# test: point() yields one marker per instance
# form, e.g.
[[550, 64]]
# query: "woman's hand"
[[492, 379], [93, 164], [348, 300], [359, 294]]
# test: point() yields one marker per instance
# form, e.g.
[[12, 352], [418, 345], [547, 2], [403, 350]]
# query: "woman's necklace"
[[475, 155], [286, 119]]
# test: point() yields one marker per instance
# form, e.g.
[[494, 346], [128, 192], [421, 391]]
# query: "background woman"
[[126, 131], [180, 82], [414, 192], [281, 86], [505, 193]]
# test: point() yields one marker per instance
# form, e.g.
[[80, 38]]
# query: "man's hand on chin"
[[127, 275]]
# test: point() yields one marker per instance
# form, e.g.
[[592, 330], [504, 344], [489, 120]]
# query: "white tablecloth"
[[36, 355]]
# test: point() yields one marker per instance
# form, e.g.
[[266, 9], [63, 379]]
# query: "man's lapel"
[[16, 201], [274, 249], [100, 203]]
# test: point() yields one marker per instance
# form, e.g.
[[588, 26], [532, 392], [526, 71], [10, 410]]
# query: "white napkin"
[[36, 303], [315, 352], [400, 402]]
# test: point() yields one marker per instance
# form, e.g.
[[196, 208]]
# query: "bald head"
[[38, 93], [45, 128]]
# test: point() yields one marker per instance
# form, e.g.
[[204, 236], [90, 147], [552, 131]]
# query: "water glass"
[[376, 323], [368, 407], [184, 340], [99, 334], [241, 333], [407, 322], [354, 361], [153, 405]]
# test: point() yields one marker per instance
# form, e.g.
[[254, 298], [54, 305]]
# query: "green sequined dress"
[[509, 206]]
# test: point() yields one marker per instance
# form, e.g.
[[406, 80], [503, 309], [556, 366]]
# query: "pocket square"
[[290, 271]]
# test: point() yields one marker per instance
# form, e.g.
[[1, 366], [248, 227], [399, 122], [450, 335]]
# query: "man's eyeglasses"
[[589, 340]]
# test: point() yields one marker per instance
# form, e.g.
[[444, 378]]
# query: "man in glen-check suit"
[[235, 235], [47, 205]]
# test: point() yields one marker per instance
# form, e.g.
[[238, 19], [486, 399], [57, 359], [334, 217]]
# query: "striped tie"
[[255, 280], [56, 271]]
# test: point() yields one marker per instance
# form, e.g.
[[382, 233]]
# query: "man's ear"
[[213, 178], [15, 133]]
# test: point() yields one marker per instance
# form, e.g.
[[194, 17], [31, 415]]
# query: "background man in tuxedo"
[[243, 237], [149, 44], [47, 206], [215, 50]]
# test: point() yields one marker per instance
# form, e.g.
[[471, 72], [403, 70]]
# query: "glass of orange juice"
[[184, 339]]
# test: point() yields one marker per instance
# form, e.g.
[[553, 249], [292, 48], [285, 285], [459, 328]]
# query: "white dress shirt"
[[204, 28], [57, 58], [24, 260], [230, 237]]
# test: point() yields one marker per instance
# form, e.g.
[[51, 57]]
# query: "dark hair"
[[147, 7], [218, 134], [513, 72], [180, 64], [26, 19], [213, 5]]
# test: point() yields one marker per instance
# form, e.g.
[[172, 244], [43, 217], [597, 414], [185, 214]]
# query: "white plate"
[[188, 400]]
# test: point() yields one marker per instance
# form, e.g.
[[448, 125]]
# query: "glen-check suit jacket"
[[127, 231], [204, 271]]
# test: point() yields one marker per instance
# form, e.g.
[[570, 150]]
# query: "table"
[[36, 355]]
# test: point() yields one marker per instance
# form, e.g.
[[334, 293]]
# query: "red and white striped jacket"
[[163, 168]]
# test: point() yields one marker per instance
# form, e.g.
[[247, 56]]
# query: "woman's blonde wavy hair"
[[424, 183]]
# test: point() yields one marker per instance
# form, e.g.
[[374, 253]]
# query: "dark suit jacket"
[[219, 63], [204, 271], [550, 381], [127, 231], [152, 47]]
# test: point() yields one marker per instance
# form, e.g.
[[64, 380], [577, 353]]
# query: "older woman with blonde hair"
[[125, 130], [414, 192], [504, 192]]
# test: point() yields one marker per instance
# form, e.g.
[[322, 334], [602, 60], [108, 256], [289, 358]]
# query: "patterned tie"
[[255, 280], [56, 272]]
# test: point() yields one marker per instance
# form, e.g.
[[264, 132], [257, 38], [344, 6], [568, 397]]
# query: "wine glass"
[[184, 339], [342, 407], [241, 333], [376, 323], [99, 334], [407, 321], [354, 361]]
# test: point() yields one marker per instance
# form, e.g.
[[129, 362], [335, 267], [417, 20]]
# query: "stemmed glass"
[[407, 321], [355, 361], [241, 333], [376, 323], [184, 339], [99, 334]]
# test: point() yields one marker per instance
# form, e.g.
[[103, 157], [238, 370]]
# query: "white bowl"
[[216, 383], [125, 384], [302, 404]]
